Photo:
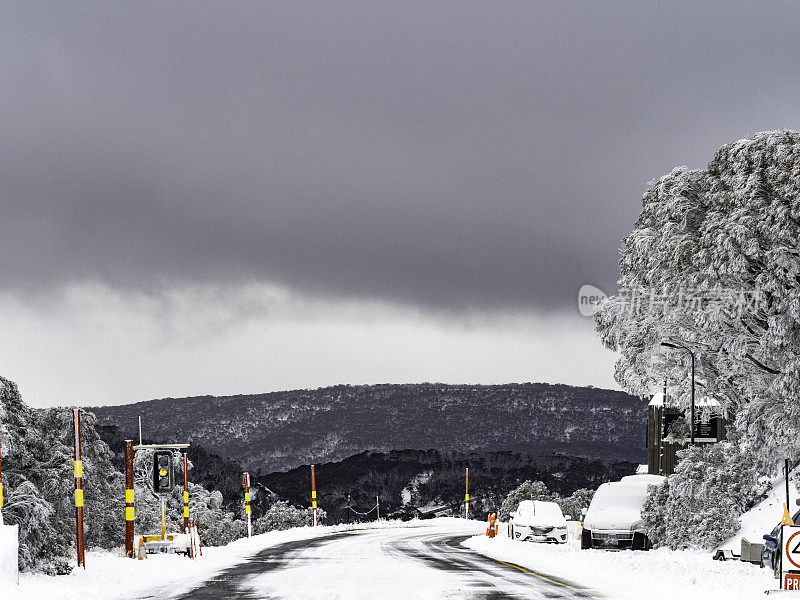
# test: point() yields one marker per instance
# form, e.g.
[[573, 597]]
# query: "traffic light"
[[163, 479]]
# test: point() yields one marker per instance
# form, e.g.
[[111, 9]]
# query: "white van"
[[538, 521], [614, 518]]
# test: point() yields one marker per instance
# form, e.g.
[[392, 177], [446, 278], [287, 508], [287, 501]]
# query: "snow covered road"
[[426, 562]]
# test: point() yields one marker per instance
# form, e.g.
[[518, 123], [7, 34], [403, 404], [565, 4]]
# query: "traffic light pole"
[[129, 510], [76, 424], [163, 518]]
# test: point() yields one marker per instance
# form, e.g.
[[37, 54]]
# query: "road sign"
[[790, 557], [791, 581]]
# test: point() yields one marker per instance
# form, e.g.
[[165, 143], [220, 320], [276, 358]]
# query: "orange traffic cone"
[[141, 554], [491, 530], [787, 518]]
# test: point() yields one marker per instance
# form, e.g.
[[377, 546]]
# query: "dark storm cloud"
[[478, 154]]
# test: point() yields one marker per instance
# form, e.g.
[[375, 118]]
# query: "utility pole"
[[786, 467], [466, 497], [249, 524], [313, 498], [378, 507], [185, 493], [129, 510], [78, 463]]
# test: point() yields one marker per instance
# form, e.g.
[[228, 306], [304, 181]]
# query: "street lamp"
[[670, 345]]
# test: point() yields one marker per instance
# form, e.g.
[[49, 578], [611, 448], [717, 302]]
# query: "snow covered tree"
[[38, 481], [713, 264], [700, 504], [528, 490], [283, 515]]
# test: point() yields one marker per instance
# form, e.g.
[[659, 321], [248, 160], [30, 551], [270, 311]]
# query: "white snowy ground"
[[627, 575], [111, 576], [659, 574]]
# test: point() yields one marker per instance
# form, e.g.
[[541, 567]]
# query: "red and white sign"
[[790, 558], [791, 581]]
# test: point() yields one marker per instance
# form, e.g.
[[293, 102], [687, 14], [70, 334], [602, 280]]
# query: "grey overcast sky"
[[241, 197]]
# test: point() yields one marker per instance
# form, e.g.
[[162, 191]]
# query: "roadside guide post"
[[1, 485], [313, 498], [129, 497], [185, 493], [249, 523], [78, 463], [466, 496]]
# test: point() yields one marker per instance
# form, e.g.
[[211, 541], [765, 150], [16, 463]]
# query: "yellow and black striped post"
[[313, 497], [249, 523], [466, 496], [129, 497], [76, 422], [185, 493]]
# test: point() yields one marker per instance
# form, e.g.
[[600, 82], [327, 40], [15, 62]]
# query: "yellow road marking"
[[543, 578]]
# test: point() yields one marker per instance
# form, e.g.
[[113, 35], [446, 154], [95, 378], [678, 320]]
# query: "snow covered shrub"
[[528, 490], [700, 504], [719, 251], [572, 505], [283, 515]]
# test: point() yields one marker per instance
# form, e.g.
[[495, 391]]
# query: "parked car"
[[614, 517], [538, 521], [771, 552]]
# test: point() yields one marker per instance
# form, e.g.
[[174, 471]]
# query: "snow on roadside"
[[111, 576], [628, 575], [764, 516]]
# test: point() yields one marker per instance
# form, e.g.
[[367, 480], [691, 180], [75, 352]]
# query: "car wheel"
[[586, 540]]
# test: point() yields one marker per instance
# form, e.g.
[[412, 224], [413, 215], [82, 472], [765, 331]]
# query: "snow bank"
[[629, 575], [112, 576], [9, 546], [763, 517]]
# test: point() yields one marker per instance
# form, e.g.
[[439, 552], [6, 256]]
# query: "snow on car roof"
[[643, 479]]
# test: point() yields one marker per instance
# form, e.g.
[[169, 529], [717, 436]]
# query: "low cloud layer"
[[104, 347]]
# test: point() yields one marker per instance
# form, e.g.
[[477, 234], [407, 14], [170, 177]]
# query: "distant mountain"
[[282, 430]]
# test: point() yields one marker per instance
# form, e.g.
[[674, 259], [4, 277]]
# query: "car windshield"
[[619, 496], [548, 510], [541, 510]]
